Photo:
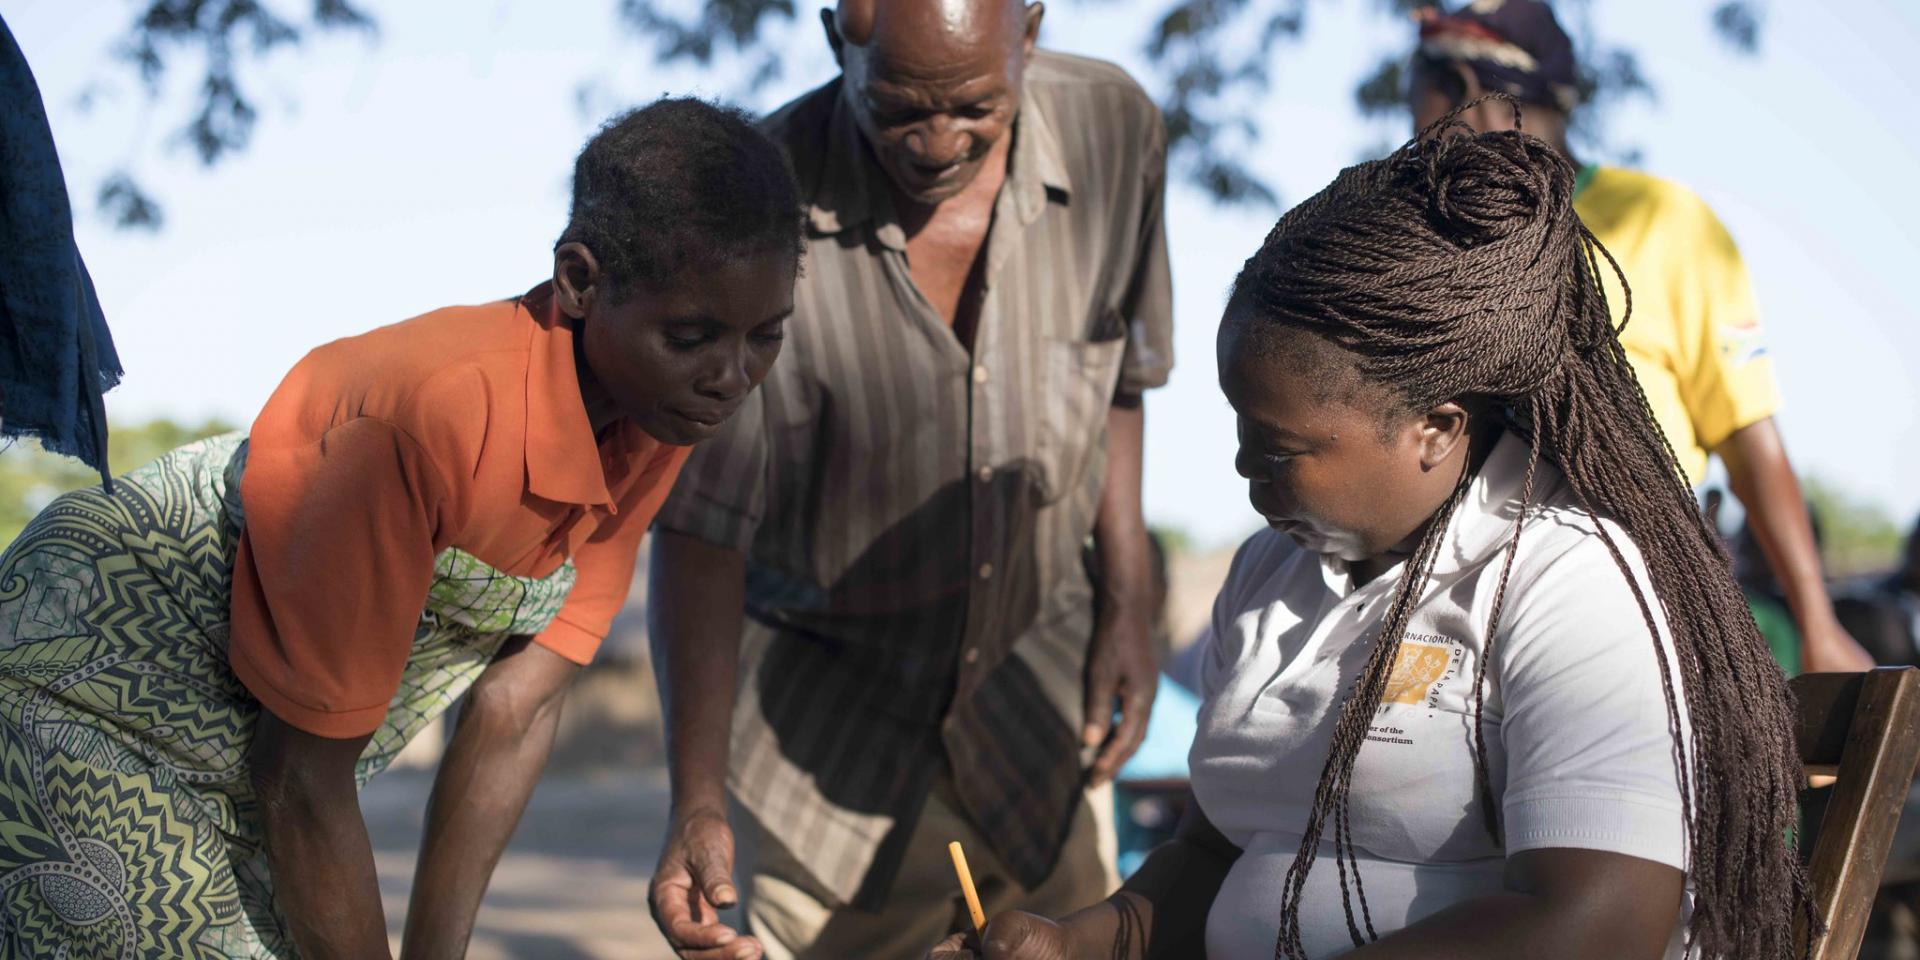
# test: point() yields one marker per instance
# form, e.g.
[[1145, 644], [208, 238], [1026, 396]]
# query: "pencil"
[[966, 889]]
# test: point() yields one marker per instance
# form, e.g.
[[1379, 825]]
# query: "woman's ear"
[[576, 279], [1443, 431]]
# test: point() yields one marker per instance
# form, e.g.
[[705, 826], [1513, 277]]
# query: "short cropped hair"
[[680, 184]]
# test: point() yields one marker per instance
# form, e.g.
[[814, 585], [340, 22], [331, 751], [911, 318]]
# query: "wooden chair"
[[1864, 730]]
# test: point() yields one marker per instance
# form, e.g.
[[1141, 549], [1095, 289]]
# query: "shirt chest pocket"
[[1078, 378]]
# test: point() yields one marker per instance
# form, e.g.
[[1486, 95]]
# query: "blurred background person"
[[1884, 611], [1694, 336]]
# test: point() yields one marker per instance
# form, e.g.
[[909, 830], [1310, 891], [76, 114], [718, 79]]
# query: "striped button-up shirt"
[[913, 511]]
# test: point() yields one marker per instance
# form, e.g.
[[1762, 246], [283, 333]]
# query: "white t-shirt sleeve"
[[1253, 567], [1590, 755]]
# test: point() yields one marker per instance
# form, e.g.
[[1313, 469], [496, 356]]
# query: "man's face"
[[936, 89]]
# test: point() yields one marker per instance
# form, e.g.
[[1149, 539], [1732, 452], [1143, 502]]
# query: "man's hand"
[[1011, 936], [1120, 666], [693, 882], [1825, 647], [1763, 479], [695, 607], [1120, 661]]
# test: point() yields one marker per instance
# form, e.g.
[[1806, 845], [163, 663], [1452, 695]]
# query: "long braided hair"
[[1456, 268]]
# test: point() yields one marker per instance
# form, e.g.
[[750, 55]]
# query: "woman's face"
[[1324, 462], [678, 361]]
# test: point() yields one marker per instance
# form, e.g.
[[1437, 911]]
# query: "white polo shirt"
[[1579, 748]]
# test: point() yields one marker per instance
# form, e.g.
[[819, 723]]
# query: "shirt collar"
[[563, 456], [848, 187], [1483, 524]]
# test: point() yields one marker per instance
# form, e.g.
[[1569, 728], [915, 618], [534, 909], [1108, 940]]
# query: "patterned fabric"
[[914, 507], [56, 356], [127, 826]]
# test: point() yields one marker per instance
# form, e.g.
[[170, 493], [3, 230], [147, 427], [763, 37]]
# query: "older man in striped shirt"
[[882, 551]]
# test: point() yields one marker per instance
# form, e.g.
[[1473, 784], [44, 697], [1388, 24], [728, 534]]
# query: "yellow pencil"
[[966, 889]]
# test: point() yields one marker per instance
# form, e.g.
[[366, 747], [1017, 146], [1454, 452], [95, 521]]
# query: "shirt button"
[[973, 654], [986, 474], [980, 374], [986, 571]]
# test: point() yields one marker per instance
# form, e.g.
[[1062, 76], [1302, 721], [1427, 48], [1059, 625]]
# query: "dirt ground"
[[573, 882]]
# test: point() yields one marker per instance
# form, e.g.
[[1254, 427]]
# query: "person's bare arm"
[[1564, 903], [1159, 914], [499, 747], [1762, 477], [317, 846], [696, 606], [1120, 662]]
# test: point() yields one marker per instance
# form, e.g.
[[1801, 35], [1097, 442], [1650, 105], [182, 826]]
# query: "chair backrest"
[[1864, 730]]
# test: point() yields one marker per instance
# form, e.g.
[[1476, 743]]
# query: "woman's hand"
[[1011, 936], [1161, 912]]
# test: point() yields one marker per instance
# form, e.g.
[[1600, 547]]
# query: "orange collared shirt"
[[460, 428]]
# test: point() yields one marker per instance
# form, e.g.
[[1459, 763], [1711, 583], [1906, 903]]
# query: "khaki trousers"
[[787, 912]]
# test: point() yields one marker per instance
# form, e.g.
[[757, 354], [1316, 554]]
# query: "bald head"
[[950, 23], [933, 84]]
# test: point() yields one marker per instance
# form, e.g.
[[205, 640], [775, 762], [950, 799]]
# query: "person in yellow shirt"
[[1694, 336]]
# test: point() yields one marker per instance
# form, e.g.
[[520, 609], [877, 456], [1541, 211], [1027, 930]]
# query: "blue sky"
[[429, 166]]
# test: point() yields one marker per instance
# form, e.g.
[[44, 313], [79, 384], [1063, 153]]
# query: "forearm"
[[1160, 913], [1120, 529], [696, 608], [1762, 477], [1560, 902], [1499, 926], [317, 848], [485, 778]]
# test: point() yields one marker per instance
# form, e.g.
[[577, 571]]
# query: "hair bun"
[[1484, 188]]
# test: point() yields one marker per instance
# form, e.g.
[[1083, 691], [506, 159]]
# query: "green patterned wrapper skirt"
[[127, 828]]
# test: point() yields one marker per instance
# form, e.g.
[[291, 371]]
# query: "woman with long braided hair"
[[1509, 686]]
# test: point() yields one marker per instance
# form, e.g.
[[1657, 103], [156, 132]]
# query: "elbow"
[[511, 711], [1592, 930], [297, 776], [290, 793]]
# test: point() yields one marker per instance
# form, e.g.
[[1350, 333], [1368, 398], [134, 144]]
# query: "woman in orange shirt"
[[200, 666]]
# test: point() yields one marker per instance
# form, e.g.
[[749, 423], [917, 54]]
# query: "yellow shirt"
[[1694, 338]]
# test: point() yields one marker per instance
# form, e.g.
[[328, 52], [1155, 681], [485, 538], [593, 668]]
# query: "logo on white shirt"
[[1421, 668]]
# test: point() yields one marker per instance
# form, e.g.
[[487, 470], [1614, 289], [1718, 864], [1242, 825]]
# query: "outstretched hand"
[[1011, 936], [692, 884]]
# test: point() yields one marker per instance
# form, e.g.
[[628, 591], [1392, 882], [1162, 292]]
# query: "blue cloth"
[[1170, 729], [1144, 821], [56, 356]]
